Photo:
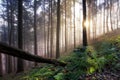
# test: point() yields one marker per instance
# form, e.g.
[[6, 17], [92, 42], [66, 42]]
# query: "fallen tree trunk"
[[6, 49]]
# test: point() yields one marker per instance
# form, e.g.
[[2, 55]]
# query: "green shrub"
[[92, 59]]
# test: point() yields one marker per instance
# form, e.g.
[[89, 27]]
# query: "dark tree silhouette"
[[6, 49], [84, 26], [0, 65], [35, 30], [58, 30], [51, 40], [66, 44], [20, 36]]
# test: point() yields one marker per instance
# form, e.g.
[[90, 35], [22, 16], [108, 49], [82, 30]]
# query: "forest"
[[59, 40]]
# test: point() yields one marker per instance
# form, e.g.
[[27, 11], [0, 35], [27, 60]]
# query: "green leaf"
[[59, 76]]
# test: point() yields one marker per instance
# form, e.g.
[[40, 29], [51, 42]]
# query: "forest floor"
[[99, 61]]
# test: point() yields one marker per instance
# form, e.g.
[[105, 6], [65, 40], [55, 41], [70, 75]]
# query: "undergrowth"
[[96, 58]]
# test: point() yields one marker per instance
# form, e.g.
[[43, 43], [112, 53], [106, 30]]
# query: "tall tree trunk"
[[51, 40], [62, 30], [9, 58], [8, 21], [11, 23], [92, 18], [20, 36], [107, 27], [45, 42], [0, 65], [48, 38], [110, 6], [8, 18], [65, 28], [58, 31], [104, 17], [80, 27], [96, 21], [70, 30], [35, 31], [89, 17], [118, 14], [101, 16], [84, 27], [74, 26]]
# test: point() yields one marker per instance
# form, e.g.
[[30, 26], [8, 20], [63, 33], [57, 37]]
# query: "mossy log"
[[6, 49]]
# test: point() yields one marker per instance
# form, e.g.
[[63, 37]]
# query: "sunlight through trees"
[[52, 28]]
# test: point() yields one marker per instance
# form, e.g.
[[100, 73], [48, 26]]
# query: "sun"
[[86, 23]]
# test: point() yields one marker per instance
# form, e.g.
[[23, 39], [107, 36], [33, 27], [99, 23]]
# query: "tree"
[[107, 26], [10, 31], [6, 49], [35, 31], [104, 17], [0, 65], [20, 36], [70, 20], [74, 25], [66, 44], [48, 35], [45, 39], [84, 26], [110, 6], [89, 2], [58, 30], [51, 40], [118, 12]]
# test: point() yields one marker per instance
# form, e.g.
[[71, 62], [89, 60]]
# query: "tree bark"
[[20, 36], [6, 49], [9, 20], [89, 17], [118, 14], [51, 40], [35, 31], [0, 65], [65, 29], [45, 39], [110, 6], [107, 26], [84, 27], [48, 34], [104, 18], [74, 25], [58, 30]]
